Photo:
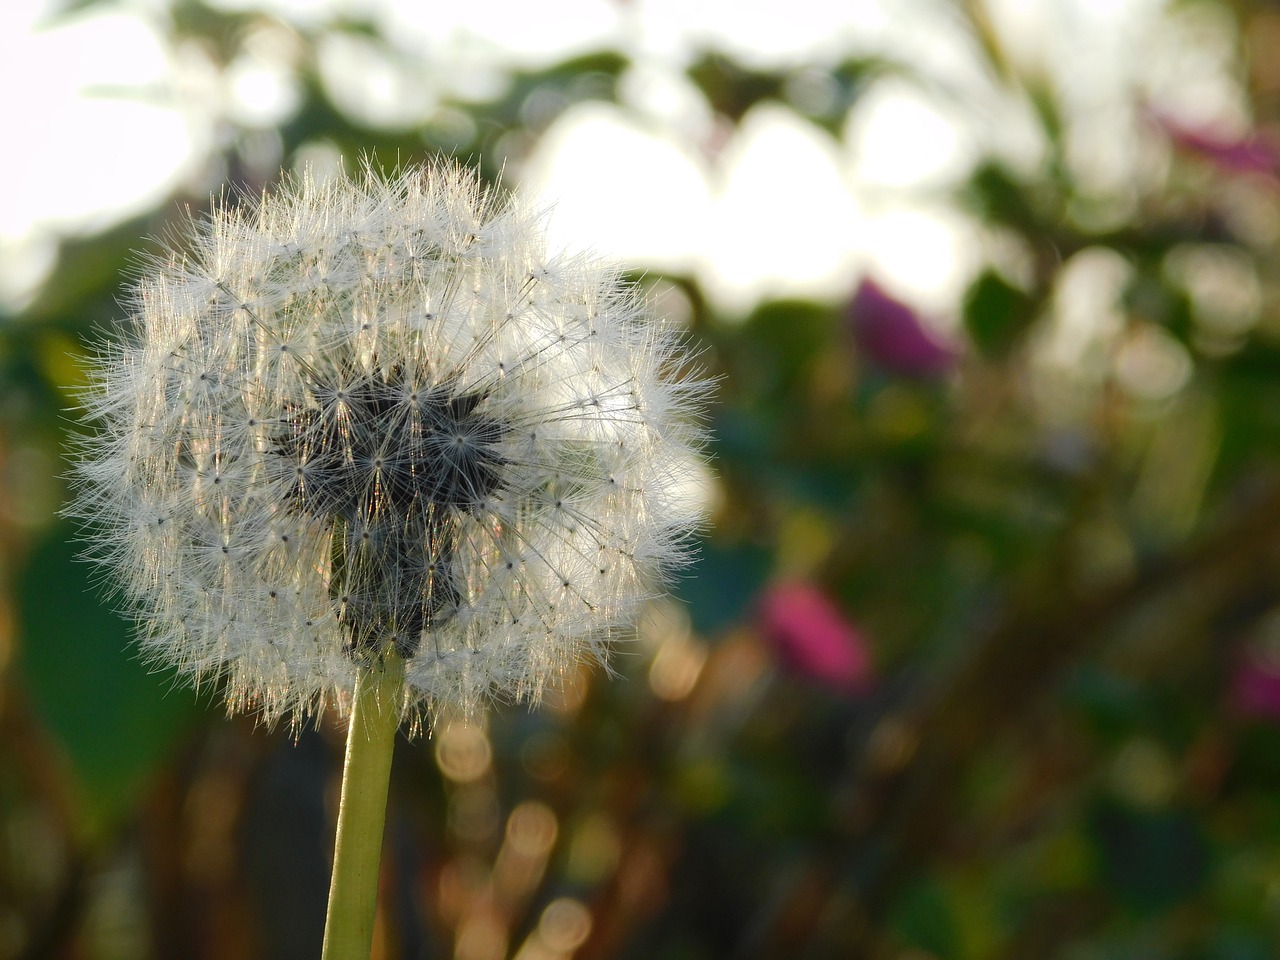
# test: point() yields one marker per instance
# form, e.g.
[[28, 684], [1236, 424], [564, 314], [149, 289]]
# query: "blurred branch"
[[903, 802], [984, 31]]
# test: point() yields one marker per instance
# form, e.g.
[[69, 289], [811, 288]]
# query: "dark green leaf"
[[996, 313], [115, 720], [722, 584], [1153, 860]]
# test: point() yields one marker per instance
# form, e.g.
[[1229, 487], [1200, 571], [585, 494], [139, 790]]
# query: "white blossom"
[[365, 413]]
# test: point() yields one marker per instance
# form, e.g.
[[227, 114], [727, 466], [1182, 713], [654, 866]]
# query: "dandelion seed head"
[[364, 415]]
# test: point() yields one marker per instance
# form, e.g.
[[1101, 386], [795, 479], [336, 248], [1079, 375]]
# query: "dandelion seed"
[[364, 415]]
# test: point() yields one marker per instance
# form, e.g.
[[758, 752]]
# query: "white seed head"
[[365, 414]]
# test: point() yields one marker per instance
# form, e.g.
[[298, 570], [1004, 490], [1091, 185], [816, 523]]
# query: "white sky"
[[114, 120]]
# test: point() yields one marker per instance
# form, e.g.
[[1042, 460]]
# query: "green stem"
[[353, 892]]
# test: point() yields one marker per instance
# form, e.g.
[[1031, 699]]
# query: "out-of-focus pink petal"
[[1255, 687], [892, 335], [813, 637], [1247, 154]]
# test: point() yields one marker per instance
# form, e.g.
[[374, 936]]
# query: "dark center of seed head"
[[393, 468]]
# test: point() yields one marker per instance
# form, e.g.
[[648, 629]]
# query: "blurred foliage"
[[1058, 538]]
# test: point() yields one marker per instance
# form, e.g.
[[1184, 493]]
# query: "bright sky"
[[115, 120]]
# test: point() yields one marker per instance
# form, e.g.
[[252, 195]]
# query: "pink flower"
[[811, 636], [1248, 154], [892, 335], [1255, 687]]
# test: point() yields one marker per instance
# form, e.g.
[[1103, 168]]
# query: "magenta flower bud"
[[1248, 154], [1255, 688], [811, 636], [893, 337]]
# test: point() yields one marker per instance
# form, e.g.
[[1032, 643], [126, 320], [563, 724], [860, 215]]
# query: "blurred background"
[[981, 656]]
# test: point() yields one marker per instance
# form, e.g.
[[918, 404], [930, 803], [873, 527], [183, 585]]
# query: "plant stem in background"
[[353, 891]]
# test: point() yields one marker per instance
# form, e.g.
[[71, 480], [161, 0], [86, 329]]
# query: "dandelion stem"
[[353, 891]]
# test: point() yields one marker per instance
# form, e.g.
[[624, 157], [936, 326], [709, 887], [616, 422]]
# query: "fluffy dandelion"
[[371, 437], [364, 415]]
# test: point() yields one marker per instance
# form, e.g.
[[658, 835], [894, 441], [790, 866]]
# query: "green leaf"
[[923, 917], [1152, 860], [995, 313], [996, 194], [115, 721], [731, 88], [722, 584]]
